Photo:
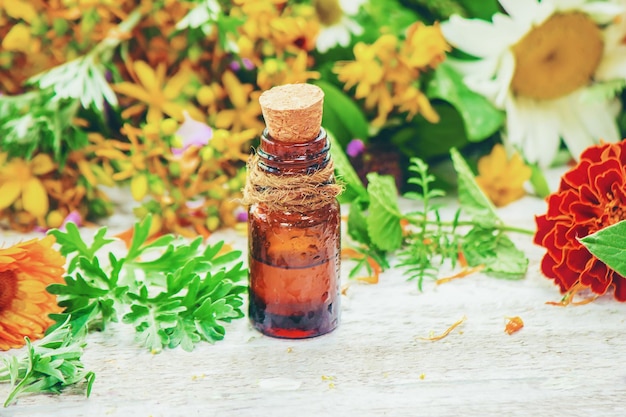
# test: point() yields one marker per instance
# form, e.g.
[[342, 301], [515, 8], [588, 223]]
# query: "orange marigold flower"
[[26, 269], [502, 179], [591, 196]]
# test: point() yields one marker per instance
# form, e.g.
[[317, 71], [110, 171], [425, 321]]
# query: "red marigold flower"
[[591, 196]]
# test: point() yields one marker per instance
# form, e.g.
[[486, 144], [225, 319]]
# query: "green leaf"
[[141, 230], [438, 10], [34, 122], [346, 174], [496, 252], [481, 9], [342, 116], [473, 200], [357, 223], [609, 245], [480, 117], [51, 366], [426, 140], [383, 220]]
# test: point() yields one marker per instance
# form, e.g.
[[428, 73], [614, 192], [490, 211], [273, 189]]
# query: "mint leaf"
[[496, 252], [473, 200], [383, 220], [608, 245]]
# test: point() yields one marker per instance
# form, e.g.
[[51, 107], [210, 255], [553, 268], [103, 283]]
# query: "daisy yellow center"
[[8, 289], [329, 12], [557, 57]]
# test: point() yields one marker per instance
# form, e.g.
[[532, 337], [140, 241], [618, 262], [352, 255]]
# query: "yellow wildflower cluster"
[[198, 60], [387, 73], [97, 93], [38, 193]]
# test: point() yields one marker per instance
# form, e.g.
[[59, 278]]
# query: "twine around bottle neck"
[[299, 182]]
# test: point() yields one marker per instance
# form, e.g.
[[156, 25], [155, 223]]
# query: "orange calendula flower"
[[501, 178], [26, 269]]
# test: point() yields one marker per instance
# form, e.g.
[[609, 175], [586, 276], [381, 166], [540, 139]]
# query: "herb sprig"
[[50, 365], [421, 241], [174, 293]]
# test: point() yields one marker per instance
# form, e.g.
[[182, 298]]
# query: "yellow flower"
[[293, 70], [246, 108], [413, 101], [26, 269], [155, 92], [364, 72], [19, 178], [386, 73], [259, 15], [425, 46], [19, 9], [502, 179], [18, 39]]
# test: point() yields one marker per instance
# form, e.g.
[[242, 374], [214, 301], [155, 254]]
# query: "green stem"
[[500, 227]]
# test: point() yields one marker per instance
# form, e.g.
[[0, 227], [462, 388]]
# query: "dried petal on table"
[[513, 325], [466, 271], [447, 332]]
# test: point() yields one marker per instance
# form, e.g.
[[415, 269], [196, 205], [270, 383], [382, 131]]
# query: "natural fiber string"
[[297, 193]]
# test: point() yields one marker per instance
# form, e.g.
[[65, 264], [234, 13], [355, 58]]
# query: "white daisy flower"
[[338, 26], [539, 63]]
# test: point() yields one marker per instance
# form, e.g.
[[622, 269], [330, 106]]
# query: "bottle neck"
[[293, 158]]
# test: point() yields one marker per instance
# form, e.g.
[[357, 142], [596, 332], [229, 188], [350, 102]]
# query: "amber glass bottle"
[[294, 254]]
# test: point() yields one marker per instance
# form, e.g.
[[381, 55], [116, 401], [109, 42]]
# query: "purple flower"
[[242, 216], [247, 64], [355, 148], [73, 217], [192, 133]]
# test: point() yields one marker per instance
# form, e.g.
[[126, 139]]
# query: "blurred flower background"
[[161, 96]]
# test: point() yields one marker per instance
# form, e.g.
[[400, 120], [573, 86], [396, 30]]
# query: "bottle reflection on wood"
[[294, 252]]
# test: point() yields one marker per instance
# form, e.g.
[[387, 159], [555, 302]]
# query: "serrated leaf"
[[383, 220], [496, 252], [141, 231], [473, 200], [609, 246]]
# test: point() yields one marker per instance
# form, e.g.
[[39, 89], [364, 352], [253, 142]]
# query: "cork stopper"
[[293, 112]]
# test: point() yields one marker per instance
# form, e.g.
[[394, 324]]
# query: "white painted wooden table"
[[564, 362]]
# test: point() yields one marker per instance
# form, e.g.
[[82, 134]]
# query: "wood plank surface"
[[564, 362]]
